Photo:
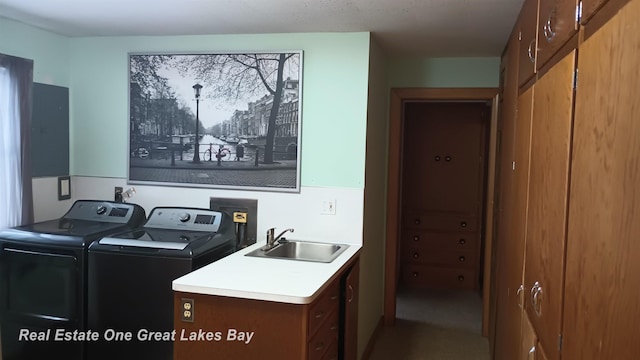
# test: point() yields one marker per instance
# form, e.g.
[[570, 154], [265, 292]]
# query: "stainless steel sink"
[[302, 250]]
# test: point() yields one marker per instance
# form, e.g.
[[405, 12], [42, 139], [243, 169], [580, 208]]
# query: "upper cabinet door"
[[548, 190], [557, 23], [589, 7], [527, 27], [601, 311]]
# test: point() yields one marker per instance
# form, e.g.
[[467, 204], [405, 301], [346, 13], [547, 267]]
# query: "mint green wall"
[[334, 99], [50, 52], [444, 72]]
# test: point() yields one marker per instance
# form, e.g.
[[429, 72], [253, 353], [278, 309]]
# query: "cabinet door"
[[601, 311], [352, 284], [557, 23], [528, 340], [548, 188], [504, 339], [527, 27]]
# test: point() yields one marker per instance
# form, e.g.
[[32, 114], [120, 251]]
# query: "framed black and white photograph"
[[223, 120]]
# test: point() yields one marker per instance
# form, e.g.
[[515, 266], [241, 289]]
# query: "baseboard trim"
[[372, 340]]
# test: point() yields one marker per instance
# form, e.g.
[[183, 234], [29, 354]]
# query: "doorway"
[[393, 269]]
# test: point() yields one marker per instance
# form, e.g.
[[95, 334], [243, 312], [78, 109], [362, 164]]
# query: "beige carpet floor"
[[434, 325]]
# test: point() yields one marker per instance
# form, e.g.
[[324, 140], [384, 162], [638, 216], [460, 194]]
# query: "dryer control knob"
[[101, 210], [184, 217]]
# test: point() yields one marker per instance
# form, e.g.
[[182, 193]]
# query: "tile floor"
[[434, 325]]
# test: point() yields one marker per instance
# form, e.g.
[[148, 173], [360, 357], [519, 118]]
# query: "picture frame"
[[247, 107]]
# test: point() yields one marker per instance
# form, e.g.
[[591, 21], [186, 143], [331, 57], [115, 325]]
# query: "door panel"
[[548, 188], [601, 311]]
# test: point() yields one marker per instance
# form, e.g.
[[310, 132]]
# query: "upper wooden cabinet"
[[526, 27], [557, 23], [589, 7]]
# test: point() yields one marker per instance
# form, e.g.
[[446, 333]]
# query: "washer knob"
[[184, 217], [101, 210]]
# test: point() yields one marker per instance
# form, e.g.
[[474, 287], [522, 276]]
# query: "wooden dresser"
[[443, 177]]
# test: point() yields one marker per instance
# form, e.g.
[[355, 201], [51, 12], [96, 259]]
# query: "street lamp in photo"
[[196, 152]]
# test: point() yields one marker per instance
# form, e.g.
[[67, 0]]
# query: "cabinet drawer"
[[427, 276], [557, 23], [440, 222], [323, 307], [325, 341], [440, 240], [448, 258]]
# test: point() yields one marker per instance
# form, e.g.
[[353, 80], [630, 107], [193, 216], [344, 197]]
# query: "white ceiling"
[[425, 28]]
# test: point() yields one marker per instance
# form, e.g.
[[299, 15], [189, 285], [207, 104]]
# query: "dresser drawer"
[[447, 258], [419, 276], [440, 240], [325, 341], [440, 221], [324, 306]]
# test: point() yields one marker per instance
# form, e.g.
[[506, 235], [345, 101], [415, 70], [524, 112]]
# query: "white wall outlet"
[[328, 207]]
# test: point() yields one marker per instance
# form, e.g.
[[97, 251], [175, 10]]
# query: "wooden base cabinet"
[[235, 328]]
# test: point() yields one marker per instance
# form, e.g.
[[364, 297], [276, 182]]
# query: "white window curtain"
[[16, 204]]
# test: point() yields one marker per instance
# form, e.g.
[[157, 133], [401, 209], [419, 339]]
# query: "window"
[[15, 126]]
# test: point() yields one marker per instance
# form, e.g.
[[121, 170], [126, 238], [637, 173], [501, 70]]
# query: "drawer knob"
[[417, 221], [415, 274], [447, 158], [416, 237], [319, 347], [462, 241], [463, 224], [437, 158], [416, 255], [460, 278], [461, 258]]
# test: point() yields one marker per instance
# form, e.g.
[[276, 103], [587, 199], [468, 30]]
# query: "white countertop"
[[281, 280]]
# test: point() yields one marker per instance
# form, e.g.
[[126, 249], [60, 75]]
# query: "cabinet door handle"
[[416, 255], [532, 353], [319, 347], [460, 278], [549, 32], [519, 294], [416, 237], [417, 221], [536, 296], [350, 288], [462, 241], [531, 51], [319, 315], [463, 224], [415, 274], [334, 297], [461, 259]]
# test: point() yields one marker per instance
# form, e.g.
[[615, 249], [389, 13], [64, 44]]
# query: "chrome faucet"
[[271, 240]]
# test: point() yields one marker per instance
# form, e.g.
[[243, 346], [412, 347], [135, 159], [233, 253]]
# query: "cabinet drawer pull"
[[333, 327], [417, 221], [351, 294], [437, 158], [461, 259], [463, 224], [415, 274], [319, 347], [461, 278], [319, 315], [334, 297], [416, 255], [416, 237], [462, 241], [531, 51], [447, 158]]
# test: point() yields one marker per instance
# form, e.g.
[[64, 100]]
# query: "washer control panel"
[[184, 219], [104, 211]]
